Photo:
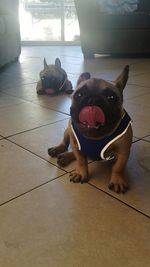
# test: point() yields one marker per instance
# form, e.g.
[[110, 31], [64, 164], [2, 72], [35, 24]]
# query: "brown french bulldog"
[[99, 129], [53, 80]]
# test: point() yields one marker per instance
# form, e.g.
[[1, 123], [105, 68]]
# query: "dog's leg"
[[56, 150], [39, 88], [63, 157], [117, 182], [81, 172]]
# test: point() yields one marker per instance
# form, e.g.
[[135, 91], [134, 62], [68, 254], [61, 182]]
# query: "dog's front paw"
[[53, 151], [56, 150], [118, 185], [65, 158], [76, 177]]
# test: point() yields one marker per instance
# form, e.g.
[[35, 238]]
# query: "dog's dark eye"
[[110, 96], [77, 95]]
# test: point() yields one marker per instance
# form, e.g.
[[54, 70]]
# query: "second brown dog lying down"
[[99, 129]]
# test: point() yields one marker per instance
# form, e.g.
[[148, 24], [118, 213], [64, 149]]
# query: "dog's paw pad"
[[64, 159], [77, 178], [118, 187], [53, 151], [61, 161]]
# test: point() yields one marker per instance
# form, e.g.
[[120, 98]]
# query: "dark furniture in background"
[[10, 45], [115, 34]]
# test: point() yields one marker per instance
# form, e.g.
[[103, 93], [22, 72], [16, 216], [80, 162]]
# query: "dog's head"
[[53, 78], [97, 104]]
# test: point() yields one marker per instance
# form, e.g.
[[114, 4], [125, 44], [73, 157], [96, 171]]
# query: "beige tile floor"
[[44, 219]]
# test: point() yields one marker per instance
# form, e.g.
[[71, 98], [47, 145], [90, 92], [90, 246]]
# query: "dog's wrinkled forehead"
[[96, 86], [51, 71]]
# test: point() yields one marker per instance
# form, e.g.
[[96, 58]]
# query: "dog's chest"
[[100, 149]]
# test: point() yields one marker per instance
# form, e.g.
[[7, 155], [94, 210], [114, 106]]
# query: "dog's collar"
[[63, 84]]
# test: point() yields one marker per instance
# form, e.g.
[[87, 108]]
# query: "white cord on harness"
[[62, 85]]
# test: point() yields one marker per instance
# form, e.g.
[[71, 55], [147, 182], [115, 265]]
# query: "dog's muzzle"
[[52, 86], [92, 116]]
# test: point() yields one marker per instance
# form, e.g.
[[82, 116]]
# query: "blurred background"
[[48, 20]]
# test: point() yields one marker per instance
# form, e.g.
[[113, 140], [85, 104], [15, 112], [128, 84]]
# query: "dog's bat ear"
[[84, 76], [45, 64], [58, 63], [122, 79], [68, 87]]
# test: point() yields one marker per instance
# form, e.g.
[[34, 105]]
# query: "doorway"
[[48, 22]]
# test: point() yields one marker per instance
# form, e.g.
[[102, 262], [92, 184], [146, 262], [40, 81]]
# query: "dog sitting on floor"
[[99, 129]]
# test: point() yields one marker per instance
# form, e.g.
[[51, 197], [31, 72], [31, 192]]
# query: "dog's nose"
[[92, 100]]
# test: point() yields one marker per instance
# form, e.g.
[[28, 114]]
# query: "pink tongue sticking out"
[[92, 116], [49, 91]]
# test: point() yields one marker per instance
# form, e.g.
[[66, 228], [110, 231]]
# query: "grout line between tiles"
[[34, 128], [36, 155], [18, 86], [132, 83], [141, 139], [129, 83], [130, 99], [33, 102], [9, 94], [139, 74], [12, 105], [49, 108], [56, 178], [145, 140], [30, 190], [119, 200], [135, 141], [146, 136], [139, 85]]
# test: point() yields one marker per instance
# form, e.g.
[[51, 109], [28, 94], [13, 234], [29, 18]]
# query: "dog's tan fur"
[[121, 147]]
